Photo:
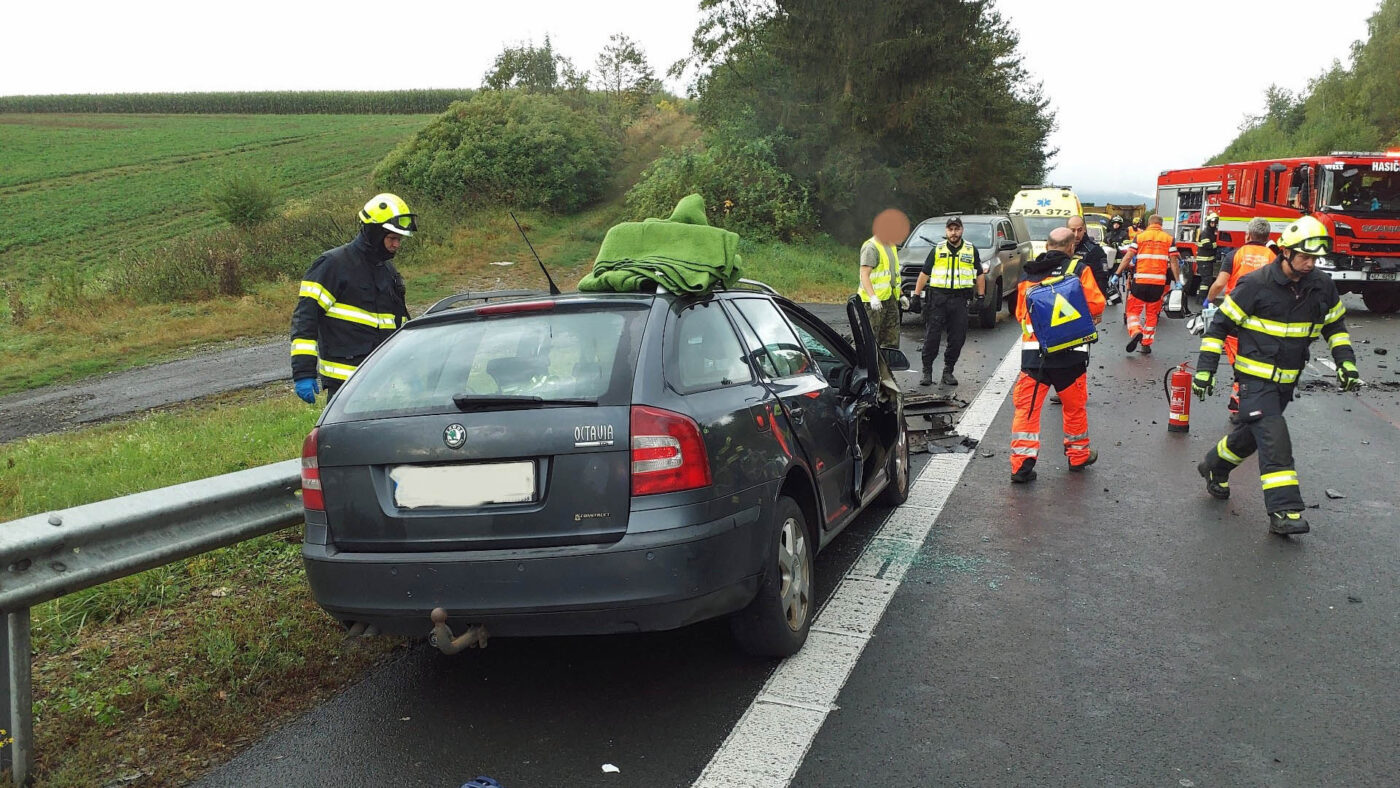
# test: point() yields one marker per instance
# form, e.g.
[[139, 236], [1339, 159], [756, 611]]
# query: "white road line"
[[770, 741]]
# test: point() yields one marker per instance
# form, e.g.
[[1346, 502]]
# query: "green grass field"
[[76, 190]]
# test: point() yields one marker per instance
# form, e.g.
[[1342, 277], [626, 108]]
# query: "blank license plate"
[[1385, 277], [459, 486]]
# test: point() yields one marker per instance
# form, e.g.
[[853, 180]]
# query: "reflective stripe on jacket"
[[1205, 244], [1154, 249], [953, 270], [347, 305], [882, 275], [1276, 320]]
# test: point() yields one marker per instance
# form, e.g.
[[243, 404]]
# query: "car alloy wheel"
[[896, 491], [795, 568], [777, 620]]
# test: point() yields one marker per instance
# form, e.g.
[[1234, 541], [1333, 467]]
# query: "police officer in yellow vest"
[[952, 272], [879, 265]]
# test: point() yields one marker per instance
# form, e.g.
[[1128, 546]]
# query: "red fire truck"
[[1356, 194]]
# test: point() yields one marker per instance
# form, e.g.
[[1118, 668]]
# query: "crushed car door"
[[813, 406]]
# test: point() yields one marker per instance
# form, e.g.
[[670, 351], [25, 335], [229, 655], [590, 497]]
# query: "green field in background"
[[80, 189]]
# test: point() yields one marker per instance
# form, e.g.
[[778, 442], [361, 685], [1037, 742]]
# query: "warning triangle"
[[1063, 312]]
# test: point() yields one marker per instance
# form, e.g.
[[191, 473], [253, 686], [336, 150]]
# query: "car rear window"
[[577, 354]]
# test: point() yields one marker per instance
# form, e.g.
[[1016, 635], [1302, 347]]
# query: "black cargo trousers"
[[944, 308], [1259, 425]]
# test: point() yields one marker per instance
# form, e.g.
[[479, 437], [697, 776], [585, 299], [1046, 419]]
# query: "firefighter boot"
[[1285, 523], [948, 379], [927, 379], [1093, 458], [1026, 474], [1217, 484]]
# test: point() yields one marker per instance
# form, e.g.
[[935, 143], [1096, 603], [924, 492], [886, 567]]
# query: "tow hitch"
[[442, 639]]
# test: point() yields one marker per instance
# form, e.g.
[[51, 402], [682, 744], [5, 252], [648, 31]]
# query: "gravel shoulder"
[[66, 407]]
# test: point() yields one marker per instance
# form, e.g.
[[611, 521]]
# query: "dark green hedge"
[[506, 147]]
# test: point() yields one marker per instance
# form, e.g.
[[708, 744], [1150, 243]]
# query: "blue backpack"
[[1059, 312]]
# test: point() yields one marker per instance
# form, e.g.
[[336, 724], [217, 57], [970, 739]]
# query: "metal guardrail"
[[47, 556]]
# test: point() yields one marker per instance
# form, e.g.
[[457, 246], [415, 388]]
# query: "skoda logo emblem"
[[455, 436]]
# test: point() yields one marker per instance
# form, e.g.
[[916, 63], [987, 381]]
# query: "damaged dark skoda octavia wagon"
[[594, 463]]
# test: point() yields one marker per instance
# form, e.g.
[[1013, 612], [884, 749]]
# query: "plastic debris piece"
[[610, 769], [1331, 493]]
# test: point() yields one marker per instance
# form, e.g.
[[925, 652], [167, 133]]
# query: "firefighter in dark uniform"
[[952, 272], [1206, 251], [1117, 233], [351, 299], [1276, 312]]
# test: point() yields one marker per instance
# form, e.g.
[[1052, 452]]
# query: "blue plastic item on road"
[[481, 782]]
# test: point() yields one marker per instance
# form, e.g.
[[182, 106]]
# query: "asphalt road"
[[59, 408], [1117, 627]]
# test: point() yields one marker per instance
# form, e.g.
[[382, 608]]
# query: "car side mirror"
[[895, 359], [1007, 246]]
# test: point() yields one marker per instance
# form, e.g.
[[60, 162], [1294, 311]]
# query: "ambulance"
[[1045, 208]]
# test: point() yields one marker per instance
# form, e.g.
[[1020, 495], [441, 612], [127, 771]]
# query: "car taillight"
[[311, 497], [668, 454]]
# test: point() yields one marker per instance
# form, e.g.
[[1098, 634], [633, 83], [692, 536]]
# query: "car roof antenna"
[[553, 288]]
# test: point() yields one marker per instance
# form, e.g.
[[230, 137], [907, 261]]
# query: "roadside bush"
[[505, 147], [226, 261], [243, 199], [743, 187], [19, 312]]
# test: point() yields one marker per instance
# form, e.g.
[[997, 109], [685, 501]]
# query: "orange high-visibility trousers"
[[1028, 397], [1142, 318]]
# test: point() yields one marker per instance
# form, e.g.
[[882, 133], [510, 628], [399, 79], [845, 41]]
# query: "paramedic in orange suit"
[[1064, 371], [1154, 250]]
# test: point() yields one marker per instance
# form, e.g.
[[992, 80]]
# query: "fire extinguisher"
[[1177, 384]]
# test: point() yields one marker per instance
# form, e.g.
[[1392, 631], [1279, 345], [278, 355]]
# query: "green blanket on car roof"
[[684, 254]]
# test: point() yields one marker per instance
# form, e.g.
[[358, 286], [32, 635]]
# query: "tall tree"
[[623, 73], [528, 67], [921, 104]]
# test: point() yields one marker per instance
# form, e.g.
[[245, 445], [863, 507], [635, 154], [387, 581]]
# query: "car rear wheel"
[[776, 622], [897, 491]]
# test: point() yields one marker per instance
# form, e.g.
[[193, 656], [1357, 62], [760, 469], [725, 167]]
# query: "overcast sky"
[[1108, 140]]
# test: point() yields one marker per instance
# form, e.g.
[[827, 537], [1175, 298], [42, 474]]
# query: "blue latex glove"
[[307, 388], [1113, 280], [1176, 285]]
